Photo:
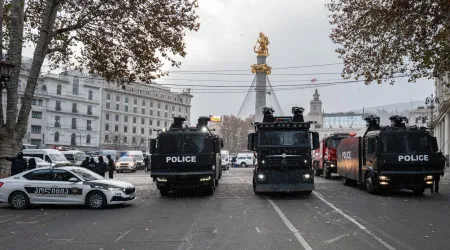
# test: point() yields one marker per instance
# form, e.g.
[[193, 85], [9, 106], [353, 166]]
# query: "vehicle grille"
[[288, 162], [184, 180], [129, 190]]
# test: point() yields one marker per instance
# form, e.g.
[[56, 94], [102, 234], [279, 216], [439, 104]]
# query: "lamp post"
[[6, 69], [430, 101]]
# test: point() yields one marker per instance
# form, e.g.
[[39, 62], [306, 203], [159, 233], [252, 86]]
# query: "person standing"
[[31, 163], [111, 166], [85, 163], [147, 163], [18, 163], [102, 166], [92, 165]]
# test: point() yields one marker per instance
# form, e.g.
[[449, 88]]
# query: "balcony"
[[57, 125], [74, 126], [75, 111], [58, 108], [89, 112], [89, 128]]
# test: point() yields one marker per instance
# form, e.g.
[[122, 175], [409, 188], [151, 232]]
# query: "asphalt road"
[[333, 217]]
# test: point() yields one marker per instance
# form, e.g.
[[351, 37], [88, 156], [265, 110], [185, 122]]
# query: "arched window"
[[73, 139], [56, 139], [44, 88], [58, 89], [88, 139]]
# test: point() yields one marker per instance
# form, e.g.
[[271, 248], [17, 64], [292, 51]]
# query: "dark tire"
[[326, 173], [418, 191], [96, 200], [210, 190], [307, 192], [369, 185], [345, 181], [243, 165], [254, 188], [317, 172], [164, 192], [19, 200]]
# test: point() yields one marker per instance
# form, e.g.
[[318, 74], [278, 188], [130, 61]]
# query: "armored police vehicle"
[[282, 146], [186, 157], [396, 157]]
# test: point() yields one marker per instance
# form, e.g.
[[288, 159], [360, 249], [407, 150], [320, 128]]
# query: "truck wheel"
[[254, 188], [211, 188], [369, 185], [307, 192], [164, 192], [243, 165], [418, 191], [316, 172], [326, 173]]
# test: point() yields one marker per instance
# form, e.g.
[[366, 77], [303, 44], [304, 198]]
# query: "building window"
[[108, 96], [143, 102], [151, 112], [151, 104], [142, 131], [91, 94], [134, 120], [117, 118], [74, 108], [88, 125], [143, 111], [108, 105], [76, 84], [117, 106], [39, 102], [179, 109], [134, 140], [126, 118], [126, 108], [158, 114], [166, 115], [173, 115], [125, 129], [107, 127], [35, 129], [173, 108], [134, 130], [117, 98], [150, 132], [58, 89], [125, 139], [106, 138], [135, 101], [151, 122], [166, 107], [36, 114], [56, 138], [88, 139], [143, 121], [89, 110], [74, 123], [57, 124], [36, 142], [135, 110], [107, 116], [127, 99], [73, 139], [165, 124], [159, 105], [158, 123], [116, 128]]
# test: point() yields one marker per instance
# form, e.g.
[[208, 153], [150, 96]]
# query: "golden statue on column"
[[263, 43]]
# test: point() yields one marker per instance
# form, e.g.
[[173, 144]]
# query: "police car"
[[63, 185]]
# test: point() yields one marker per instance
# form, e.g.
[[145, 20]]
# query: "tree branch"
[[61, 48]]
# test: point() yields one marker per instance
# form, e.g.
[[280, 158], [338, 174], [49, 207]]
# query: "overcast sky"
[[298, 31]]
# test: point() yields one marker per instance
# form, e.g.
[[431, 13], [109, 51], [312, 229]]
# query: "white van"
[[76, 157], [244, 159], [138, 156], [225, 157], [52, 156]]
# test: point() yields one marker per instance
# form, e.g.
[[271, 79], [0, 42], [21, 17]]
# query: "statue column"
[[262, 70]]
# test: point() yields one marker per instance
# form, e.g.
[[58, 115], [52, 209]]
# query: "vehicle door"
[[39, 185], [64, 190], [249, 160]]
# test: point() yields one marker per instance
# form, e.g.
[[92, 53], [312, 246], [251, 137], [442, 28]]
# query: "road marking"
[[335, 239], [11, 218], [122, 235], [187, 239], [339, 211], [291, 227]]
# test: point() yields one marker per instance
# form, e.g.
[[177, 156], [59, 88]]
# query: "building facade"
[[441, 116], [419, 117]]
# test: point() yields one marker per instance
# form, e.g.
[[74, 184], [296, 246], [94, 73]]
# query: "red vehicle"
[[325, 157]]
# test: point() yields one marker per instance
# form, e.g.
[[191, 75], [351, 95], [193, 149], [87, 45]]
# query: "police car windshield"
[[183, 144], [284, 138], [406, 143], [57, 157], [86, 174], [125, 159]]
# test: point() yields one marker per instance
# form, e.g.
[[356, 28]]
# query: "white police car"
[[63, 185]]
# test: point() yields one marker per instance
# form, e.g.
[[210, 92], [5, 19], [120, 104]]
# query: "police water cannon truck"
[[282, 146], [186, 157], [391, 157]]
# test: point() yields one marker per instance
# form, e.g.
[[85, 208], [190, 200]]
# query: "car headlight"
[[115, 189], [263, 162], [306, 176], [332, 165], [161, 179], [261, 177], [384, 178], [428, 177], [130, 164], [207, 178], [117, 164]]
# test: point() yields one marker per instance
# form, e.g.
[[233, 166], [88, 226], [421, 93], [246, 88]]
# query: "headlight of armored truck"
[[261, 177], [428, 177], [306, 176], [263, 162], [207, 178], [161, 179], [383, 178]]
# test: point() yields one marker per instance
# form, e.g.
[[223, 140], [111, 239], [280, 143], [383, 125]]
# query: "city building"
[[419, 117], [441, 116]]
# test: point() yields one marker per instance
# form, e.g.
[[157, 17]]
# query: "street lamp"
[[6, 68], [430, 101]]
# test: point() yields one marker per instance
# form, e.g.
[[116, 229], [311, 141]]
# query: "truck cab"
[[282, 146], [325, 157]]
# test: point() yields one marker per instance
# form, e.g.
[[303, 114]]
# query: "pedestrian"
[[437, 178], [85, 163], [102, 166], [18, 163], [92, 165], [31, 163], [147, 163], [111, 166]]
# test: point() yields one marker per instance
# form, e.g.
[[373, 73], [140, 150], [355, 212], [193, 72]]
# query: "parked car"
[[28, 146], [244, 160], [75, 157], [39, 162], [52, 156], [125, 164], [138, 157]]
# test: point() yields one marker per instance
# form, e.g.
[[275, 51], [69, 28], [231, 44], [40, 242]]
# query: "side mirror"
[[73, 179], [315, 140], [152, 146], [251, 141]]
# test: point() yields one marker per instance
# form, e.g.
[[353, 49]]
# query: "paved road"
[[333, 217]]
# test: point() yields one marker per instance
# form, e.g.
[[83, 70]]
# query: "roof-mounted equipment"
[[268, 114], [398, 121], [298, 114], [178, 122]]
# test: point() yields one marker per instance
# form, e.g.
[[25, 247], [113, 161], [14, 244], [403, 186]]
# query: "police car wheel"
[[19, 200], [96, 200]]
